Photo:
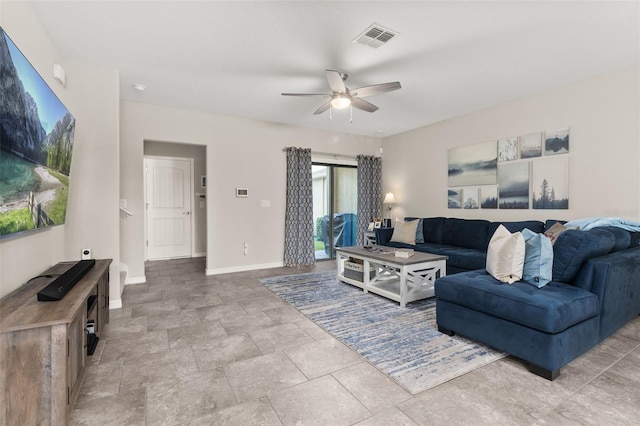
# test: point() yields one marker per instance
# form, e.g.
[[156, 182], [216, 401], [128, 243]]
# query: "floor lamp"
[[389, 199]]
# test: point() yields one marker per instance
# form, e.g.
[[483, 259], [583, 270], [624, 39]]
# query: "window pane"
[[334, 208]]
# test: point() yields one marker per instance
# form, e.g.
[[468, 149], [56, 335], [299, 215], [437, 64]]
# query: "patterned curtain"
[[298, 226], [369, 193]]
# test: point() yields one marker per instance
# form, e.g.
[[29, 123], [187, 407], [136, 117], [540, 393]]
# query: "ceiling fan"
[[342, 96]]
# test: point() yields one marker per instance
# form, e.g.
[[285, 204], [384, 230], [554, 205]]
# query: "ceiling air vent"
[[375, 36]]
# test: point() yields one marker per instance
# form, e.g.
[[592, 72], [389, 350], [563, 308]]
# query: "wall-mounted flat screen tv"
[[36, 141]]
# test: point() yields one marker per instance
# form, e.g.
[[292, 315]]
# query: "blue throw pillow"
[[573, 248], [419, 233], [623, 237], [538, 259]]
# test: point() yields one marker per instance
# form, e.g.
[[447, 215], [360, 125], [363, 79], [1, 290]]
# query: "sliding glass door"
[[335, 203]]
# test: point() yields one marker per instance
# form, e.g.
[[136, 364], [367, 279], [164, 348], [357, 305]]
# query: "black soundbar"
[[59, 287]]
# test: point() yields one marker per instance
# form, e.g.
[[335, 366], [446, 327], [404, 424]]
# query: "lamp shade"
[[389, 198]]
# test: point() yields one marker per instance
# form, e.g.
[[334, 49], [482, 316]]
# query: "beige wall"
[[603, 114], [91, 95], [240, 153]]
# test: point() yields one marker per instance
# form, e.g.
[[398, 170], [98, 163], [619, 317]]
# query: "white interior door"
[[168, 207]]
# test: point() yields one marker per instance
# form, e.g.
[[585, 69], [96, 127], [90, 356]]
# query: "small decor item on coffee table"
[[404, 253], [397, 278]]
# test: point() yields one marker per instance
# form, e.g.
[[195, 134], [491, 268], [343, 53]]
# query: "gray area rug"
[[403, 343]]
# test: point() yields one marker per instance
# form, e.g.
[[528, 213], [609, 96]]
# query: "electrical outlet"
[[246, 248]]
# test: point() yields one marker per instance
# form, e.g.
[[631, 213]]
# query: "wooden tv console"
[[43, 346]]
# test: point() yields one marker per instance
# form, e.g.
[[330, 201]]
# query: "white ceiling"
[[451, 57]]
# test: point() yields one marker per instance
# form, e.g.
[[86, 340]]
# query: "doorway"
[[335, 206], [168, 188]]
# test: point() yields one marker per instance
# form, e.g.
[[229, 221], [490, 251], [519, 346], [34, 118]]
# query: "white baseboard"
[[135, 280], [243, 268], [199, 254], [115, 304]]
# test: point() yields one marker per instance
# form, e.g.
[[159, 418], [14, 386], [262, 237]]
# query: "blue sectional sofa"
[[594, 291]]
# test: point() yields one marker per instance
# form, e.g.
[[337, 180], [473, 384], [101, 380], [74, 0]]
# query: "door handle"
[[186, 213]]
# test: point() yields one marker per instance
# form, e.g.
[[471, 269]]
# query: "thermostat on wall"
[[242, 192]]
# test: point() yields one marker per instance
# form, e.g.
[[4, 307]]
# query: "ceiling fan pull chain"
[[330, 109], [351, 114]]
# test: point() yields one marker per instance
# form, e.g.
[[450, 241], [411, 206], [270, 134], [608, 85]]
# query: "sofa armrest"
[[615, 279], [383, 235]]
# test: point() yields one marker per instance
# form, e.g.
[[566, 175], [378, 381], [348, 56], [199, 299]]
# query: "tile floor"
[[191, 349]]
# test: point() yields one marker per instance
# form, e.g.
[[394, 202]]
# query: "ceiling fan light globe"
[[340, 102]]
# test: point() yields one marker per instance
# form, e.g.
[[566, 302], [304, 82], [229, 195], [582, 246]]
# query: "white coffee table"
[[401, 279]]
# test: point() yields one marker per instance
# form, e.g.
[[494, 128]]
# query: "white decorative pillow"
[[405, 232], [505, 256]]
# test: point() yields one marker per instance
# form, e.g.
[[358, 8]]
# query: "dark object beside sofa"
[[595, 290], [344, 230]]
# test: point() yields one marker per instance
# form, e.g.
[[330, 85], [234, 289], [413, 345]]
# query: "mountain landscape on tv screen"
[[36, 142]]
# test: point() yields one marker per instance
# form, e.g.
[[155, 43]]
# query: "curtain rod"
[[329, 154]]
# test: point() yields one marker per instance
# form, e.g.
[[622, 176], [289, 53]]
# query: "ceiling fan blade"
[[306, 94], [363, 105], [325, 106], [335, 81], [376, 89]]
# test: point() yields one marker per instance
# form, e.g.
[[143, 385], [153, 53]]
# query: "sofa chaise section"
[[595, 290]]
